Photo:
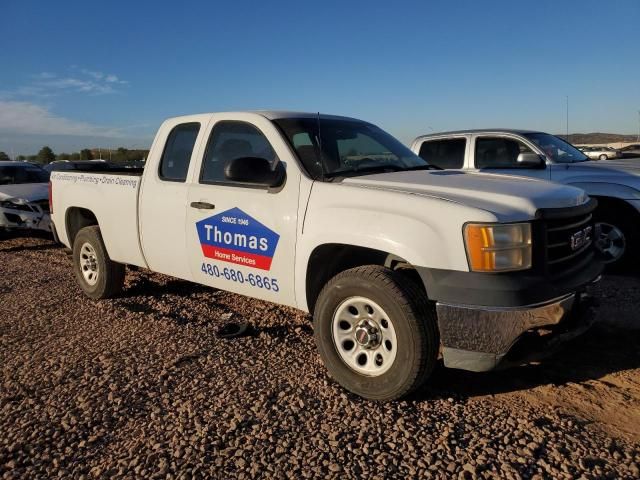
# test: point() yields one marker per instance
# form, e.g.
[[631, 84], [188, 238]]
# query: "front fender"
[[424, 231]]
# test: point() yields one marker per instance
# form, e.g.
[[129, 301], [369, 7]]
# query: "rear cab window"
[[445, 153], [176, 156]]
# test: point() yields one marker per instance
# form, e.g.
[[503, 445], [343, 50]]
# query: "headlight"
[[15, 206], [498, 247]]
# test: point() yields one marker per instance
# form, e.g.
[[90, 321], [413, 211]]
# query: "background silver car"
[[24, 197], [600, 153]]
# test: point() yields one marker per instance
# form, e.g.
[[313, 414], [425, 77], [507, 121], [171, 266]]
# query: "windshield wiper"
[[428, 166], [379, 168], [363, 171]]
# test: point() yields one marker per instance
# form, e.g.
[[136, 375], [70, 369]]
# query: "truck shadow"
[[31, 248], [142, 285], [599, 352], [41, 241], [168, 298]]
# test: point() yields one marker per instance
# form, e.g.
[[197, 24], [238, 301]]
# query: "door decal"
[[235, 237]]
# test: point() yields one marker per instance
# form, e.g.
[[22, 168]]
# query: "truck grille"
[[568, 237]]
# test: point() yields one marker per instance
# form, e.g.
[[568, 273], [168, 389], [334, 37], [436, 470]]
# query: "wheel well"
[[328, 260], [619, 208], [76, 219]]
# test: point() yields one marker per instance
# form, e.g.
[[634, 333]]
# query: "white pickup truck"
[[614, 183], [398, 262]]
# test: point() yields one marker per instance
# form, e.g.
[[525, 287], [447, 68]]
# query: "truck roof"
[[279, 114], [480, 130]]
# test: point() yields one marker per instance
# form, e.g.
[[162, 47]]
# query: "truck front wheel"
[[616, 237], [96, 273], [376, 332]]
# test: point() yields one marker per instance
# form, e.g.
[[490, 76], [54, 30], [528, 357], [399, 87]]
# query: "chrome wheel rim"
[[364, 336], [89, 263], [610, 242], [603, 157]]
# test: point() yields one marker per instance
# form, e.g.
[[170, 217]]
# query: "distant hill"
[[598, 138]]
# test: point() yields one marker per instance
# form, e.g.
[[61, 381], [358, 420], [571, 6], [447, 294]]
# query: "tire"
[[394, 369], [612, 223], [98, 276], [603, 157]]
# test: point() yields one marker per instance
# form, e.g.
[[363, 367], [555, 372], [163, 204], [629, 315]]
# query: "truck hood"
[[511, 198], [622, 175], [29, 192], [605, 168]]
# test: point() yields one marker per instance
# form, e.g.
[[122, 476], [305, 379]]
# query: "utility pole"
[[567, 118], [638, 125]]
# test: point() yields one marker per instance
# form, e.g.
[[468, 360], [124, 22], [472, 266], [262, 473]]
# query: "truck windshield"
[[334, 147], [557, 149]]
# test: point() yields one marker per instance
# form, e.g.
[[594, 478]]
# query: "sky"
[[77, 74]]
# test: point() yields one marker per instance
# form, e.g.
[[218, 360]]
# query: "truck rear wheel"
[[96, 273], [376, 332]]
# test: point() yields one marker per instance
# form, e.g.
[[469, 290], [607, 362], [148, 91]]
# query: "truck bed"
[[135, 171], [112, 197]]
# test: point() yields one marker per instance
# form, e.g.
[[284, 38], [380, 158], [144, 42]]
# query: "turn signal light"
[[498, 247]]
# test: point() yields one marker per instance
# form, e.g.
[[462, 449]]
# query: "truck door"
[[163, 196], [242, 239], [499, 154]]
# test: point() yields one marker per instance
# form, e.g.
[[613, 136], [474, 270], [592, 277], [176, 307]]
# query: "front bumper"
[[28, 220], [478, 338]]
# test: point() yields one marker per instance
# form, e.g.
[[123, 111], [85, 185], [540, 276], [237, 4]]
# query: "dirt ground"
[[595, 377], [140, 386]]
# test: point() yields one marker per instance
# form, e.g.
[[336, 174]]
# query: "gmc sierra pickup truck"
[[398, 262], [614, 183]]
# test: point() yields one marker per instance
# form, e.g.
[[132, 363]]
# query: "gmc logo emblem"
[[580, 238]]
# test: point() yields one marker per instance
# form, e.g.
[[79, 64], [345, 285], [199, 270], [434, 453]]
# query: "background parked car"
[[24, 197], [600, 153], [631, 151]]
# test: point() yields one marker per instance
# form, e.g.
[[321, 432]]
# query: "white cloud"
[[29, 118], [83, 81], [76, 85], [106, 77], [91, 73]]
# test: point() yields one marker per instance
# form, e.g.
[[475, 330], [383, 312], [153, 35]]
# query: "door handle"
[[203, 205]]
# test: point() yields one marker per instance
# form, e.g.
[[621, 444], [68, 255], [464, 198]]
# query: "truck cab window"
[[174, 163], [445, 154], [230, 140], [498, 152]]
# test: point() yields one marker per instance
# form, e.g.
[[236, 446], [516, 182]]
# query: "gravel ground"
[[140, 386]]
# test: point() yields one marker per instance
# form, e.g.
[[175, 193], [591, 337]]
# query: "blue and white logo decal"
[[235, 237]]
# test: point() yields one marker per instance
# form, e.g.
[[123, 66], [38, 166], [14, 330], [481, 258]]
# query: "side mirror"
[[530, 160], [255, 171]]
